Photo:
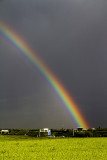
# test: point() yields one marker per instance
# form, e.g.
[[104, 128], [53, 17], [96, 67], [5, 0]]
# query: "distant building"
[[79, 129], [45, 130], [4, 131], [93, 128]]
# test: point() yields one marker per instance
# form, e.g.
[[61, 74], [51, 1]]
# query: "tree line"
[[98, 132]]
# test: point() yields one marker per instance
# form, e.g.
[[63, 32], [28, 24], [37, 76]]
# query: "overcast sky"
[[70, 36]]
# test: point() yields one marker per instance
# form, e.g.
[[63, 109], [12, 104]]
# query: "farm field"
[[27, 148]]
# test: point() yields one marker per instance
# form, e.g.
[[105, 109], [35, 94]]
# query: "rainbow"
[[62, 94]]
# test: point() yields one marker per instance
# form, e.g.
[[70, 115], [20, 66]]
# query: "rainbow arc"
[[62, 94]]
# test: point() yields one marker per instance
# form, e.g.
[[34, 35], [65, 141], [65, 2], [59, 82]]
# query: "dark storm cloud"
[[70, 36]]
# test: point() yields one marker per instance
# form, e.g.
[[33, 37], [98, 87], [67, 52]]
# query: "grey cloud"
[[70, 36]]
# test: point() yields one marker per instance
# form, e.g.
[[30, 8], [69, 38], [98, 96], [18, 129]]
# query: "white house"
[[45, 130], [4, 131]]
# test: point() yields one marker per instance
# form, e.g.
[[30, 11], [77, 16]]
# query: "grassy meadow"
[[27, 148]]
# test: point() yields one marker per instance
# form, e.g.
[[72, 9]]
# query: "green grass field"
[[26, 148]]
